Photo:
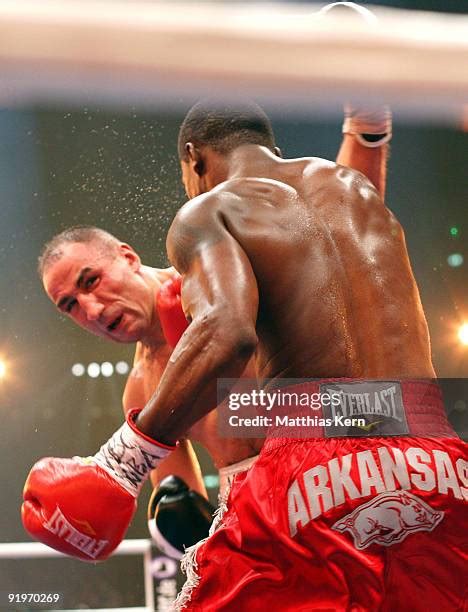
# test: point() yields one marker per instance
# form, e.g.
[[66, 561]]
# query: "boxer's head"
[[99, 282], [210, 131]]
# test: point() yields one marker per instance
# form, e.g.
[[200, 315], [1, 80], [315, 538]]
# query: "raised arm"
[[220, 296], [366, 129], [366, 134]]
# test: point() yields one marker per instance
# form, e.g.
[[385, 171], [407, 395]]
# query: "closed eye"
[[90, 282], [69, 307]]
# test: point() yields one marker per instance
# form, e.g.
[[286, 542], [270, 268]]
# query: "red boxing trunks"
[[345, 523]]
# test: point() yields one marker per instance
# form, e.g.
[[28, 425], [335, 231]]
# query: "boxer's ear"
[[195, 158], [130, 255], [278, 152]]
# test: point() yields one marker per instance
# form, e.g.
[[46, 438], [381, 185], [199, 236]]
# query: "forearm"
[[372, 162], [366, 134], [188, 388]]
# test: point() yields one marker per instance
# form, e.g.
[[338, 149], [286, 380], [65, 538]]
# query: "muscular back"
[[337, 296]]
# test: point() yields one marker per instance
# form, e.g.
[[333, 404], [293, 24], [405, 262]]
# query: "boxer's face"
[[103, 292]]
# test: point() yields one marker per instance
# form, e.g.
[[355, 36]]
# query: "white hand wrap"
[[129, 456], [376, 123]]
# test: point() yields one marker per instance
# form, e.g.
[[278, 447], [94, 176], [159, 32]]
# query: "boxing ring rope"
[[149, 53], [31, 550]]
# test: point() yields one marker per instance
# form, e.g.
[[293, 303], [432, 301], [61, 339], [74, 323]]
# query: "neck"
[[250, 160]]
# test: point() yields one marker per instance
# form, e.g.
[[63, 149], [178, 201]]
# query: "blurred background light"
[[107, 369], [460, 405], [463, 334], [455, 260], [94, 370], [78, 369], [122, 367]]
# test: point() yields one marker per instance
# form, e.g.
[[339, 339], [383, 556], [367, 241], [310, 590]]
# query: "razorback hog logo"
[[388, 519]]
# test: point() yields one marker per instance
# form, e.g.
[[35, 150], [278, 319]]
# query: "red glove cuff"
[[132, 415]]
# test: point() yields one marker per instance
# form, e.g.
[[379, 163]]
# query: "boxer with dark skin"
[[299, 265], [295, 262], [226, 451]]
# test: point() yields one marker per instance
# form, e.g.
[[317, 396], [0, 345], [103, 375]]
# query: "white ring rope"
[[152, 51], [27, 550]]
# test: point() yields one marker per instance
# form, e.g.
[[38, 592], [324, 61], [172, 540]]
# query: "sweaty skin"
[[149, 365], [116, 285], [303, 265]]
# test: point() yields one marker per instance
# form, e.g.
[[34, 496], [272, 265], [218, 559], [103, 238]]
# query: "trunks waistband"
[[226, 474], [381, 407]]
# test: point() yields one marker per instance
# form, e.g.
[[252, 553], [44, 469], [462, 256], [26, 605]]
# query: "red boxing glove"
[[169, 308], [83, 506]]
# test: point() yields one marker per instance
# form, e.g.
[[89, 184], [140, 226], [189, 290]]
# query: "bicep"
[[217, 273]]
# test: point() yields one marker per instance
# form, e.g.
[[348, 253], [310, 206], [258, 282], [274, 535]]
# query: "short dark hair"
[[52, 251], [225, 126]]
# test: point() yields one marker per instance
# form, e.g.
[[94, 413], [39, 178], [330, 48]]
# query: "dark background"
[[119, 170]]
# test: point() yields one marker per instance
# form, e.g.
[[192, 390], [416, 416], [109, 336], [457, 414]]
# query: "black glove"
[[177, 516]]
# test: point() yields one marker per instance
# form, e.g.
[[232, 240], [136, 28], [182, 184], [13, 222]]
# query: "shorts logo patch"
[[388, 519], [378, 402]]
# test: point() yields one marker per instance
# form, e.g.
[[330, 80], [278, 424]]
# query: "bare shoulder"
[[257, 190], [197, 224], [196, 211], [325, 169], [317, 164], [207, 206]]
